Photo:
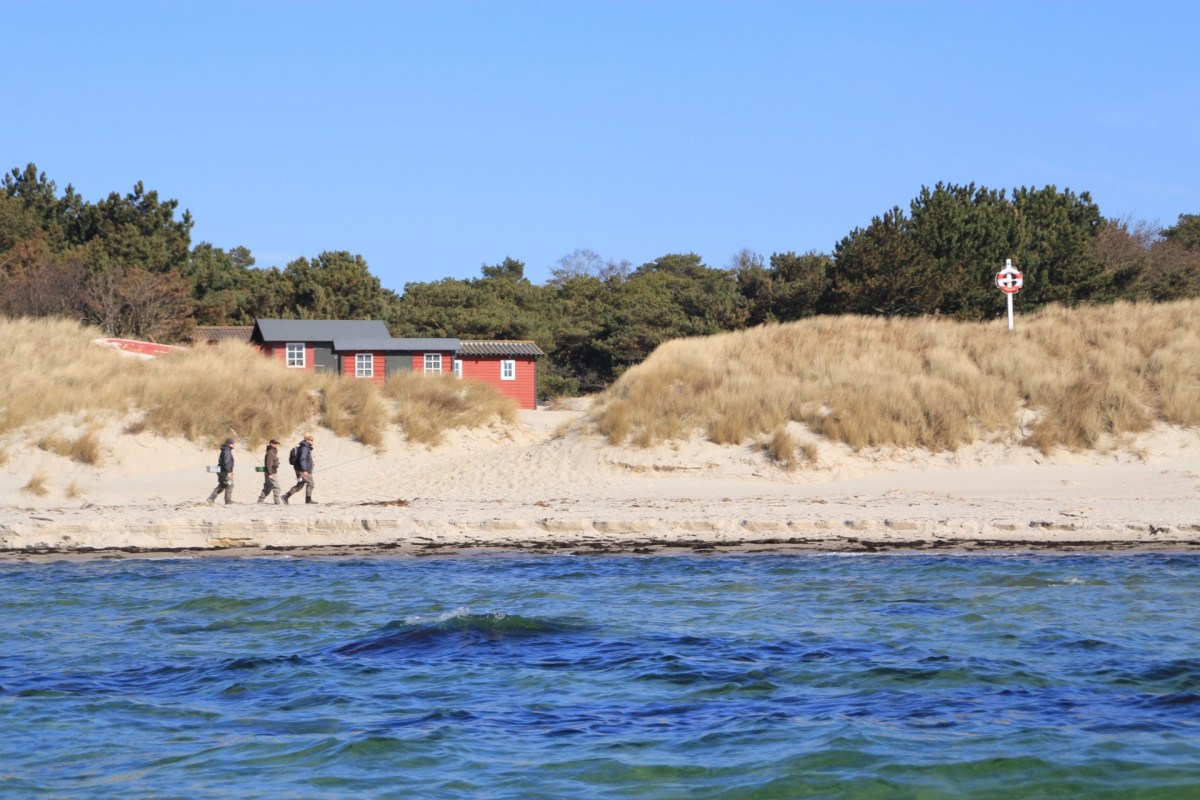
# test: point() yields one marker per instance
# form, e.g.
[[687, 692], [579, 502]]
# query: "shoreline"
[[751, 549], [195, 530]]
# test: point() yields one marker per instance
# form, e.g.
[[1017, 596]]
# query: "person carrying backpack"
[[302, 459], [224, 473]]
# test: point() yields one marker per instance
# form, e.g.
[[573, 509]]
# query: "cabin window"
[[433, 362], [364, 365], [295, 355], [508, 370]]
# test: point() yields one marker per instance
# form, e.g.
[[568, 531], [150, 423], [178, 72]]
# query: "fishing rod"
[[246, 444], [245, 441], [344, 463]]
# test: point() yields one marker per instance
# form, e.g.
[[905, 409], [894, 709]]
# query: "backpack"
[[294, 455]]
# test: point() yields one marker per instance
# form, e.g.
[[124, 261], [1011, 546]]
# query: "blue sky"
[[434, 137]]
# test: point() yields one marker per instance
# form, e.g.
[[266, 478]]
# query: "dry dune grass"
[[212, 392], [354, 409], [38, 485], [429, 406], [1087, 375], [85, 448], [206, 394], [51, 368], [783, 448]]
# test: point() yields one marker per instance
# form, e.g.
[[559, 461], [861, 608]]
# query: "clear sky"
[[434, 137]]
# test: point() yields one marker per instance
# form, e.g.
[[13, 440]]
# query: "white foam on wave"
[[435, 619]]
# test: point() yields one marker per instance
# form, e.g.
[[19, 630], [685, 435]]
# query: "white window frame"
[[433, 363], [458, 368], [508, 369], [293, 360], [364, 365]]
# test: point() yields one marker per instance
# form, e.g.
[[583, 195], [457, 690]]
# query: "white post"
[[1008, 266]]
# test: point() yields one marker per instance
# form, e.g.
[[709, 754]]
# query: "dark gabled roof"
[[317, 330], [347, 336], [513, 348], [221, 333], [393, 345]]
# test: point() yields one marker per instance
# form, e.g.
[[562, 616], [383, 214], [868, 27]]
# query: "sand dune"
[[547, 484]]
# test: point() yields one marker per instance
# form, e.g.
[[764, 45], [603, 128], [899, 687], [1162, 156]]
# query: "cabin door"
[[393, 364], [323, 359]]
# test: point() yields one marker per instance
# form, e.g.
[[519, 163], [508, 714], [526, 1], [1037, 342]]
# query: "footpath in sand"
[[546, 485]]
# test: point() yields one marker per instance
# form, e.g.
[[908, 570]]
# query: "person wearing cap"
[[304, 470], [224, 473], [270, 470]]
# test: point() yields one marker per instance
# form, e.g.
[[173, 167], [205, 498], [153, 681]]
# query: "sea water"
[[513, 676]]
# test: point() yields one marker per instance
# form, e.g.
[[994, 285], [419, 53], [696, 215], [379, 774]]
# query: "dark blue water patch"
[[1180, 673], [462, 636]]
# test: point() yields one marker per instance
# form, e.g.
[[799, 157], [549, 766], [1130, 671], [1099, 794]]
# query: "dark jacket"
[[304, 459], [225, 460], [271, 461]]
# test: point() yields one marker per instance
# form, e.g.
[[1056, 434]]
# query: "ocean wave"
[[458, 631]]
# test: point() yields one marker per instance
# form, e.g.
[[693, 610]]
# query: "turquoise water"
[[764, 676]]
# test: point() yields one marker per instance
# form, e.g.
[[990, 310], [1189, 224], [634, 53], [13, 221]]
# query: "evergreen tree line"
[[126, 264]]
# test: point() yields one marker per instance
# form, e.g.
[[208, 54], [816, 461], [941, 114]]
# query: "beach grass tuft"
[[429, 405], [85, 448], [38, 485], [781, 448], [354, 409]]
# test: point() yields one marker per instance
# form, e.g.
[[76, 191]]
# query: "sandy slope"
[[547, 484]]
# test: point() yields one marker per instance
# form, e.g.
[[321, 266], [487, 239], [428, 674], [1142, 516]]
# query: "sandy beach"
[[548, 485]]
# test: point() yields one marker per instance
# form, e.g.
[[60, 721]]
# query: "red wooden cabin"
[[510, 366], [365, 350]]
